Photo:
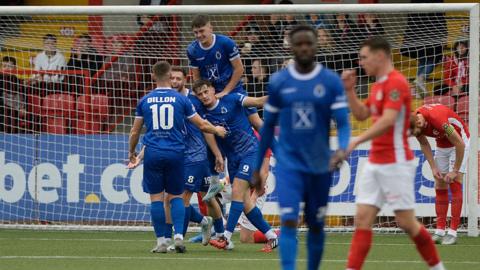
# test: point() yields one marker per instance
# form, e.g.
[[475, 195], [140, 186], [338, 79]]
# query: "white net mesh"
[[66, 113]]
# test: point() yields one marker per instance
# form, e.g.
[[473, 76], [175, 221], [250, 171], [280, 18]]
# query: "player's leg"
[[215, 186], [174, 186], [154, 184], [248, 232], [442, 157], [317, 188], [252, 212], [168, 226], [399, 190], [369, 200], [457, 198], [290, 188]]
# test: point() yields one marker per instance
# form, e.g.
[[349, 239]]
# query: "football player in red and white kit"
[[389, 175], [449, 164]]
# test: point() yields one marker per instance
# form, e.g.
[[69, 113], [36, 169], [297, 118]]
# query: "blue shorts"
[[197, 176], [163, 171], [241, 168], [294, 187]]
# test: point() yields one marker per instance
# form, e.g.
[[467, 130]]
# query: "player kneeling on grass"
[[303, 100], [240, 147], [389, 175], [449, 164], [164, 111]]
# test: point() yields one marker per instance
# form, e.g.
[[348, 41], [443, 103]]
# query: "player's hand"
[[349, 78], [450, 177], [220, 131], [133, 165], [337, 159], [132, 157], [221, 94], [257, 183], [437, 174], [219, 164]]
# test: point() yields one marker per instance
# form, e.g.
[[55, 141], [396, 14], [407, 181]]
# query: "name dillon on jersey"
[[161, 99]]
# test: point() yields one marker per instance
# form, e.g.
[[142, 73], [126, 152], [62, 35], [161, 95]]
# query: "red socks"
[[361, 242], [441, 207], [426, 247], [457, 201], [259, 237]]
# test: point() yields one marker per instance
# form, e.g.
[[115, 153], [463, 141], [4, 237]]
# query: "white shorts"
[[387, 183], [445, 159], [243, 220]]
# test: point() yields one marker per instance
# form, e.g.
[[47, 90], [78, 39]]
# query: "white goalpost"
[[64, 127]]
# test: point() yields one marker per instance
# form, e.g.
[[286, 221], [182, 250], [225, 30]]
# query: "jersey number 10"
[[162, 116]]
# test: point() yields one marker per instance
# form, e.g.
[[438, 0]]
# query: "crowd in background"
[[120, 67]]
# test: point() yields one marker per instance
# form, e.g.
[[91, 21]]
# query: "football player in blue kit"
[[163, 111], [240, 147], [303, 100]]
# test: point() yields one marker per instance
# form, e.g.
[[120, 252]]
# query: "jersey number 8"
[[162, 116]]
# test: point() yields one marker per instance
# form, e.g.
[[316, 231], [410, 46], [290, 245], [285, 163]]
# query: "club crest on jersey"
[[379, 95], [218, 55], [319, 91], [223, 110], [394, 95]]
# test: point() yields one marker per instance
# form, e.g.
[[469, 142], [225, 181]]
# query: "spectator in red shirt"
[[455, 71]]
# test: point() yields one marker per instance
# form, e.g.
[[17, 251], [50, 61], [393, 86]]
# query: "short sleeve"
[[231, 49], [191, 58], [394, 94], [138, 110], [239, 98], [339, 100], [273, 102], [189, 108]]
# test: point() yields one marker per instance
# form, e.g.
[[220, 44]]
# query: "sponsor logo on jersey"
[[379, 95]]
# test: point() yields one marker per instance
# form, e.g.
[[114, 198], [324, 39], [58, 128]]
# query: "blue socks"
[[195, 216], [236, 209], [218, 225], [169, 230], [158, 218], [186, 219], [178, 214], [288, 247], [315, 242], [256, 218]]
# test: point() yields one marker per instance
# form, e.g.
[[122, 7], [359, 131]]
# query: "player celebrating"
[[163, 111], [389, 174], [450, 162], [303, 98], [240, 147]]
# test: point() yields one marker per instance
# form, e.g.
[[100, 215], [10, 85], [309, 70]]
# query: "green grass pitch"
[[22, 249]]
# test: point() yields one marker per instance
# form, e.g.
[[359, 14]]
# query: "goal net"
[[70, 84]]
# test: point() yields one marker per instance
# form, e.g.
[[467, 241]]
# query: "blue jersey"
[[228, 112], [164, 111], [196, 149], [304, 105], [214, 62]]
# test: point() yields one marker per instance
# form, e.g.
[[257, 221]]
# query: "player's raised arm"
[[359, 110], [257, 102]]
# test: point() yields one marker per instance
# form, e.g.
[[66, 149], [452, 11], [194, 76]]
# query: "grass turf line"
[[23, 249]]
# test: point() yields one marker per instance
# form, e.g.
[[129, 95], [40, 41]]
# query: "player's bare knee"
[[246, 236]]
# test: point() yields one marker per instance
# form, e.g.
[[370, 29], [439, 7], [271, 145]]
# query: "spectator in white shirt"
[[50, 59]]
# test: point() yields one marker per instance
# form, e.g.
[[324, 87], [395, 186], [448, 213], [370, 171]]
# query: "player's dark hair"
[[302, 28], [9, 59], [85, 36], [199, 83], [180, 69], [377, 43], [200, 21], [50, 37], [161, 70]]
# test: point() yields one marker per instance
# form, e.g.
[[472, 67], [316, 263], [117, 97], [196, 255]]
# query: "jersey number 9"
[[162, 117]]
